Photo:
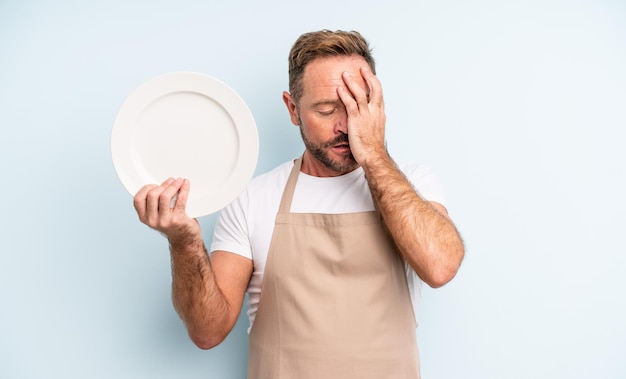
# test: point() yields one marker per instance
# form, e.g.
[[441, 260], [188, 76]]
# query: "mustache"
[[342, 138]]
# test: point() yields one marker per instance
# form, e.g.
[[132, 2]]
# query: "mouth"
[[340, 144], [342, 147]]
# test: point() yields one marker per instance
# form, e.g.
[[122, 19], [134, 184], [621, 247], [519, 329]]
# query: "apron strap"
[[290, 187]]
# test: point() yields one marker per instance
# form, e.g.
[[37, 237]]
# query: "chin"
[[344, 165]]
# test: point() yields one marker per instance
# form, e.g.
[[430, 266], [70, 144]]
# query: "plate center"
[[176, 134]]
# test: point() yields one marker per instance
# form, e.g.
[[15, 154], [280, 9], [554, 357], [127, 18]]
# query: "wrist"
[[378, 160], [186, 239]]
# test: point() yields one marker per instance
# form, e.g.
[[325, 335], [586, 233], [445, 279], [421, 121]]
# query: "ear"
[[291, 108]]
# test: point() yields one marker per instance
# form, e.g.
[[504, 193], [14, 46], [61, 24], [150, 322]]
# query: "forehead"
[[323, 75]]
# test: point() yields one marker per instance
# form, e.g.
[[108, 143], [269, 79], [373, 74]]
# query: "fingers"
[[167, 196], [154, 203], [153, 200], [183, 195], [375, 95], [353, 96], [139, 201], [363, 93], [362, 97]]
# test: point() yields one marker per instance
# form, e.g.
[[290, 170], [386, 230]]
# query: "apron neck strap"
[[290, 187]]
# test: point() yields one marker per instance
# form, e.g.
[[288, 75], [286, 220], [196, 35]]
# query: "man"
[[331, 247]]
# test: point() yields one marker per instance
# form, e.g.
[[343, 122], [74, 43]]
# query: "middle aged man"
[[332, 247]]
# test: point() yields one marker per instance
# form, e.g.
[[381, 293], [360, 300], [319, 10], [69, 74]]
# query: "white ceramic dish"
[[189, 125]]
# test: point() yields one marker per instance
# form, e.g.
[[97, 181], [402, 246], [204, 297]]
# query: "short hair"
[[320, 44]]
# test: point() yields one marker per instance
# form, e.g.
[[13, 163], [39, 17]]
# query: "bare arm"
[[422, 231], [207, 292]]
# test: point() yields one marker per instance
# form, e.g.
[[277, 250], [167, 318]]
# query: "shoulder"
[[425, 181], [278, 172], [270, 180], [415, 170], [253, 208]]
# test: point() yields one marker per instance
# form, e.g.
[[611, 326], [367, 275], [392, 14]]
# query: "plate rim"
[[210, 87]]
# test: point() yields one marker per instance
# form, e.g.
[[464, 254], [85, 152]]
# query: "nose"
[[341, 123]]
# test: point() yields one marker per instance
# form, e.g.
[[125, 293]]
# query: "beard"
[[346, 163]]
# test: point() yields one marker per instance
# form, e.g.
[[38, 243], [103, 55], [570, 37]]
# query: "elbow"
[[206, 342], [207, 334], [440, 279], [445, 272], [206, 339]]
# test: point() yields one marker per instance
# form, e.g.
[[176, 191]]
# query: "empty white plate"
[[189, 125]]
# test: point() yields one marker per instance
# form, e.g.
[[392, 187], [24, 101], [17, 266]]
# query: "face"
[[321, 115]]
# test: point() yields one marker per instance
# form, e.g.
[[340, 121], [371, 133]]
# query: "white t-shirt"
[[245, 227]]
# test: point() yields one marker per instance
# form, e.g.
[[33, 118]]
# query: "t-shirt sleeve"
[[426, 183], [429, 188], [231, 230]]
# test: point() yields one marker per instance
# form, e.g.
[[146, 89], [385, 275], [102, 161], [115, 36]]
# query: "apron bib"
[[334, 302]]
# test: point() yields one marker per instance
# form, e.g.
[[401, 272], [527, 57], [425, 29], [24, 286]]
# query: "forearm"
[[207, 313], [196, 296], [425, 236]]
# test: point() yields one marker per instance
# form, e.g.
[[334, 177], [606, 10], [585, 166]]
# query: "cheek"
[[319, 123], [317, 128], [309, 122], [312, 130]]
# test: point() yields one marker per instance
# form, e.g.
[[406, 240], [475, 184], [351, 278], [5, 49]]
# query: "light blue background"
[[519, 106]]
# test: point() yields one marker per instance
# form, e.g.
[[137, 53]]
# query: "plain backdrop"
[[518, 106]]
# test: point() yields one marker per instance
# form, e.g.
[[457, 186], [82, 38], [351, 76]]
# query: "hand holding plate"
[[154, 207]]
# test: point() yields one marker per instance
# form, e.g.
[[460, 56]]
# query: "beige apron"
[[334, 302]]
